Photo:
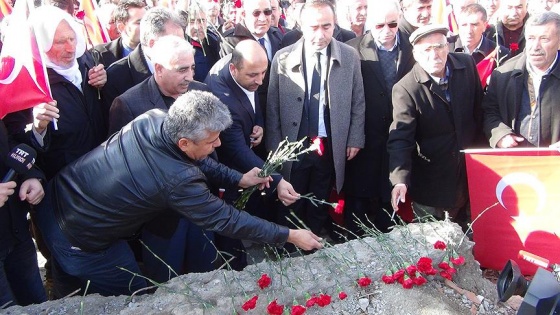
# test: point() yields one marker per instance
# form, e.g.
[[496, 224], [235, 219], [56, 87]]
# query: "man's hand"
[[252, 178], [305, 239], [43, 114], [256, 136], [351, 152], [6, 190], [97, 76], [509, 141], [286, 193], [398, 195], [227, 25], [32, 191]]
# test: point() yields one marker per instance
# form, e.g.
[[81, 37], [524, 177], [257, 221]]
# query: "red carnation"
[[388, 279], [446, 275], [444, 265], [411, 270], [398, 275], [311, 301], [513, 47], [80, 15], [324, 300], [339, 206], [249, 305], [458, 260], [424, 264], [364, 281], [451, 270], [264, 281], [298, 310], [431, 272], [440, 245], [419, 280], [342, 295], [407, 282], [237, 3], [274, 308]]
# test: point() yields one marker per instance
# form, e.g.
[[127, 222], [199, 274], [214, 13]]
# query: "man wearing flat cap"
[[436, 114]]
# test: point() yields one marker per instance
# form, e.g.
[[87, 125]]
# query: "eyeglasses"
[[391, 25], [434, 47], [266, 12]]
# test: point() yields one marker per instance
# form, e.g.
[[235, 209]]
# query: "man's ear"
[[120, 27], [183, 144]]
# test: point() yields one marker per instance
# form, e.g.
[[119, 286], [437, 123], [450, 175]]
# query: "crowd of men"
[[189, 97]]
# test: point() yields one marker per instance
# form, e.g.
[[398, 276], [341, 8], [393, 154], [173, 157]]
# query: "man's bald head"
[[248, 64]]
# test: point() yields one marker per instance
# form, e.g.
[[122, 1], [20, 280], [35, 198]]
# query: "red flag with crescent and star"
[[23, 77], [95, 32], [520, 189]]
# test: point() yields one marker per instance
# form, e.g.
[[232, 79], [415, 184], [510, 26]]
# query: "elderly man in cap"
[[436, 114]]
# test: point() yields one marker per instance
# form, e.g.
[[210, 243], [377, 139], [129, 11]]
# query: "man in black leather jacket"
[[159, 161]]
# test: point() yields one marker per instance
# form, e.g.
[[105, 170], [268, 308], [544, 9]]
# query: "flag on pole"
[[95, 31], [5, 9], [521, 188], [23, 77], [486, 66]]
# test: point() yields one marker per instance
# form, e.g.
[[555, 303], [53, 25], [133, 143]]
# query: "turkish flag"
[[23, 77], [486, 66], [95, 31], [520, 189], [5, 9]]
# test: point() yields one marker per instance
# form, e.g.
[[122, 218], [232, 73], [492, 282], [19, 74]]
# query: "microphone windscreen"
[[21, 158]]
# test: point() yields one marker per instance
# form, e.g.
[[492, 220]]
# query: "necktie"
[[262, 41], [314, 97]]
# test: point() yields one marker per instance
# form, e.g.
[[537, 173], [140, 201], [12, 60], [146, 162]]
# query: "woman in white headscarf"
[[74, 79]]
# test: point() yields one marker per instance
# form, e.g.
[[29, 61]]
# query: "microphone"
[[20, 160]]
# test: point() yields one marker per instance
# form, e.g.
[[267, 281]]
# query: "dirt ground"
[[328, 271]]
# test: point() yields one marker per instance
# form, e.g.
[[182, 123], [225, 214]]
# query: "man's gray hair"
[[194, 114], [152, 25], [168, 47], [544, 18]]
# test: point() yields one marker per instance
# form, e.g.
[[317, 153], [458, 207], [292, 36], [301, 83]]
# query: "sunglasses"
[[391, 25], [266, 12]]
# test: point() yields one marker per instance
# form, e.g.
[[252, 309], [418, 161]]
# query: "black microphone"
[[20, 160]]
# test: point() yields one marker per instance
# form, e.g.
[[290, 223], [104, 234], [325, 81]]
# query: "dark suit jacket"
[[428, 132], [235, 150], [110, 52], [294, 35], [124, 74], [499, 29], [486, 47], [138, 100], [240, 32], [367, 175], [503, 99]]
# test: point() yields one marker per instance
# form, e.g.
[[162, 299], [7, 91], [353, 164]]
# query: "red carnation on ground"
[[411, 270], [264, 281], [364, 281], [298, 310], [444, 265], [342, 295], [398, 275], [274, 308], [250, 304], [458, 261], [419, 280], [446, 275], [388, 279], [311, 301], [440, 245], [324, 300], [424, 264], [407, 282]]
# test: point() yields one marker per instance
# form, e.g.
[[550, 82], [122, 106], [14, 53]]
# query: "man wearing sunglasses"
[[256, 25], [436, 114], [384, 61]]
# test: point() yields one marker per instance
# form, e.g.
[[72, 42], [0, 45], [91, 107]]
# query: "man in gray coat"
[[316, 91]]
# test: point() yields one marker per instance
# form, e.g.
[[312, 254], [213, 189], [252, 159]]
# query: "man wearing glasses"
[[384, 61], [256, 25], [436, 114]]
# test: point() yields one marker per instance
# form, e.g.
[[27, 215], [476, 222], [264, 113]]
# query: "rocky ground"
[[328, 271]]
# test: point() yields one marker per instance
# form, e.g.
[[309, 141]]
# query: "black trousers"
[[313, 173]]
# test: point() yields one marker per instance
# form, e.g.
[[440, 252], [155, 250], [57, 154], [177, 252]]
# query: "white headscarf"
[[45, 20]]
